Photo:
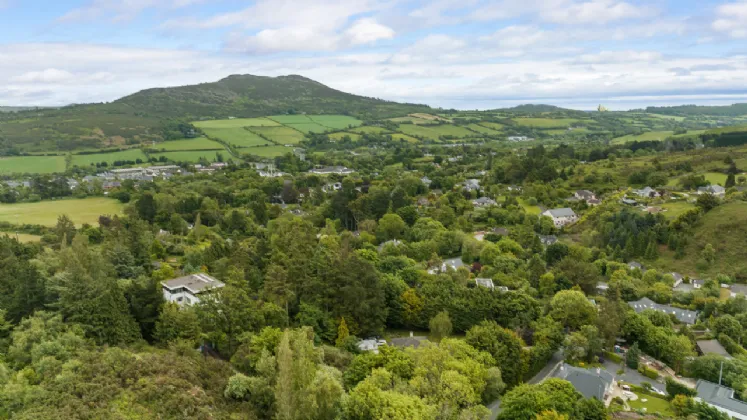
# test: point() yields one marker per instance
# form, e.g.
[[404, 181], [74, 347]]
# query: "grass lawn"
[[280, 135], [405, 137], [648, 136], [239, 136], [338, 122], [87, 160], [675, 208], [192, 156], [22, 237], [482, 130], [32, 164], [268, 151], [201, 143], [716, 178], [236, 123], [86, 210], [528, 208], [652, 405], [545, 122]]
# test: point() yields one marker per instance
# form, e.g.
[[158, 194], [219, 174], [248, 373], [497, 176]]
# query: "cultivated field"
[[280, 135], [193, 156], [239, 136], [309, 127], [109, 158], [290, 119], [545, 122], [482, 130], [338, 122], [236, 123], [405, 137], [340, 135], [268, 151], [201, 143], [22, 237], [45, 213], [369, 129], [32, 164]]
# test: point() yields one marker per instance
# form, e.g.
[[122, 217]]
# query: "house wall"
[[182, 297]]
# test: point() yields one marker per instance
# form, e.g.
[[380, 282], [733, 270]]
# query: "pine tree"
[[730, 181], [633, 356], [652, 251], [342, 333]]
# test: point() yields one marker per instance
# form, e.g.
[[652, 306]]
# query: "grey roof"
[[698, 282], [412, 341], [720, 396], [484, 200], [454, 262], [585, 194], [589, 383], [562, 212], [629, 201], [635, 264], [195, 283], [740, 289], [484, 282], [684, 288], [677, 276], [683, 315], [714, 189], [712, 347]]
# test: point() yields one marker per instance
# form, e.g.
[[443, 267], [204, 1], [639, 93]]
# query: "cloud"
[[120, 10], [596, 12], [367, 31], [50, 75], [731, 19]]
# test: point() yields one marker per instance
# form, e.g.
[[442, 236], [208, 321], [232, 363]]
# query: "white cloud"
[[50, 75], [732, 19], [120, 10], [597, 12], [367, 31]]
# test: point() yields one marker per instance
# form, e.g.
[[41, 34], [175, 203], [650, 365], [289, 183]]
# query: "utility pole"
[[721, 372]]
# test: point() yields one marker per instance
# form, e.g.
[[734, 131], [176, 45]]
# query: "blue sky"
[[467, 54]]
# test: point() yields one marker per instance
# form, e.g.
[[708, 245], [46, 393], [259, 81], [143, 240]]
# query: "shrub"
[[675, 388], [616, 358], [647, 372]]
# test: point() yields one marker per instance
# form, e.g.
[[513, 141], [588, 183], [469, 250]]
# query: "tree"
[[675, 388], [175, 323], [391, 226], [590, 409], [727, 324], [572, 309], [730, 181], [525, 401], [681, 404], [633, 356], [342, 333], [708, 253], [707, 202], [440, 325], [583, 274], [65, 229], [505, 347], [146, 207]]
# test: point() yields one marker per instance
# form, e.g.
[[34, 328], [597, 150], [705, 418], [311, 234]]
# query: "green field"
[[405, 137], [653, 136], [236, 123], [193, 156], [339, 136], [201, 143], [32, 164], [492, 125], [309, 127], [369, 129], [414, 120], [22, 237], [268, 151], [239, 136], [676, 208], [716, 178], [529, 208], [290, 119], [652, 405], [546, 122], [109, 158], [280, 135], [45, 213], [335, 121], [483, 130]]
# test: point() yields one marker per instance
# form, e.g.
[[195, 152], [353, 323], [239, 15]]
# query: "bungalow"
[[595, 383], [371, 344], [332, 186], [484, 202], [647, 192], [635, 265], [411, 341], [711, 347], [678, 278], [629, 201], [683, 315], [561, 217], [187, 289], [716, 190], [721, 398], [738, 290], [327, 170], [485, 282]]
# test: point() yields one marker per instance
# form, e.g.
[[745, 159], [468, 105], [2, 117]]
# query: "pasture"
[[200, 143], [435, 132], [32, 164], [268, 151], [492, 125], [310, 127], [369, 129], [280, 135], [483, 130], [341, 134], [238, 136], [80, 211], [545, 122], [109, 158], [291, 119], [193, 155], [405, 137], [236, 123], [338, 122], [22, 237]]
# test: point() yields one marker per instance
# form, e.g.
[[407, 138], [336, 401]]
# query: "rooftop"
[[720, 396], [590, 383], [195, 283], [712, 347], [685, 316], [562, 212]]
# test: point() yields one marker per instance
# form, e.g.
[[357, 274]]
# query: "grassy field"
[[32, 164], [192, 156], [268, 151], [653, 136], [239, 136], [676, 208], [339, 136], [201, 143], [545, 122], [45, 213], [716, 178], [338, 122], [652, 405], [309, 127], [492, 125], [236, 123], [483, 130], [290, 119], [434, 132], [280, 135], [131, 154], [668, 117], [414, 120], [22, 237], [529, 208], [405, 137], [369, 129]]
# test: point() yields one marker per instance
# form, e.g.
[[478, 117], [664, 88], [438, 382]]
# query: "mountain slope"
[[252, 96], [734, 110], [143, 116]]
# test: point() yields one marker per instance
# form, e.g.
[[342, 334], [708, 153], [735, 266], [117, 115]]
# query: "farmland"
[[32, 164], [341, 134], [483, 130], [125, 155], [45, 213], [309, 127], [338, 122], [192, 156], [370, 129], [236, 123], [201, 143], [435, 132], [279, 135], [546, 122], [238, 136], [267, 151]]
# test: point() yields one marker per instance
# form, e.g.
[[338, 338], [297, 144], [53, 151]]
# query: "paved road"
[[495, 406]]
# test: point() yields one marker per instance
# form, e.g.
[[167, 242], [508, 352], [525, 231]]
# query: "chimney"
[[411, 334]]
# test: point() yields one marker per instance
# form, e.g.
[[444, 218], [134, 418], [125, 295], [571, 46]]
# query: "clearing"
[[86, 210]]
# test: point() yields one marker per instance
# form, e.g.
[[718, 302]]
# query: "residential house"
[[711, 347], [584, 195], [485, 282], [519, 138], [426, 181], [451, 263], [484, 202], [393, 242], [471, 184], [697, 283], [561, 217], [371, 344], [629, 201], [635, 265], [738, 290], [721, 398], [547, 240], [602, 287], [327, 170], [678, 278], [187, 290], [716, 190], [332, 186], [591, 383], [647, 192], [683, 315]]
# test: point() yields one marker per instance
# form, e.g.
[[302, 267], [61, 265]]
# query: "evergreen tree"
[[342, 333], [633, 356]]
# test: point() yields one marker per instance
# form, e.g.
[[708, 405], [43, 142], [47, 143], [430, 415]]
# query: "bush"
[[616, 358], [647, 372], [675, 388], [730, 345]]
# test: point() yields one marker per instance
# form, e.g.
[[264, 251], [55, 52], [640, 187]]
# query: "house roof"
[[195, 283], [589, 383], [562, 212], [740, 289], [720, 396], [685, 316], [716, 189], [484, 200], [585, 194], [677, 276], [484, 282], [712, 347]]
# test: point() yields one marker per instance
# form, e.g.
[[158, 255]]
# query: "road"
[[631, 375], [495, 406]]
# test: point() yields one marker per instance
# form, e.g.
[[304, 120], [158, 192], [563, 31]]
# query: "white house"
[[561, 217], [484, 202], [716, 190], [647, 192], [186, 290]]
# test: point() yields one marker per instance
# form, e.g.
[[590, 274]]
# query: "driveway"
[[631, 375]]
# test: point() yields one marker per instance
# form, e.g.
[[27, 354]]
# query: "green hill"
[[734, 110], [145, 116]]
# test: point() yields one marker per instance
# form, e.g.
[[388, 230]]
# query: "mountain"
[[144, 116], [734, 110]]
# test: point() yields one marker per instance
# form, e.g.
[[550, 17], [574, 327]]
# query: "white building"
[[561, 217], [647, 192], [339, 170], [186, 290]]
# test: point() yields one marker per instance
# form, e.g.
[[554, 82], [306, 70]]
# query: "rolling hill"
[[149, 114]]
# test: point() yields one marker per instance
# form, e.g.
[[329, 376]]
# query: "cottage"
[[721, 398], [371, 344], [426, 181], [716, 190], [332, 186], [595, 383], [471, 185], [678, 278], [484, 202], [187, 289], [647, 192], [738, 290], [561, 217], [584, 195], [635, 265], [629, 202], [683, 315]]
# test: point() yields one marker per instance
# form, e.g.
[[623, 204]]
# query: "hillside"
[[734, 110], [142, 116]]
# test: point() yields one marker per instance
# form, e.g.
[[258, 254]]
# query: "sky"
[[464, 54]]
